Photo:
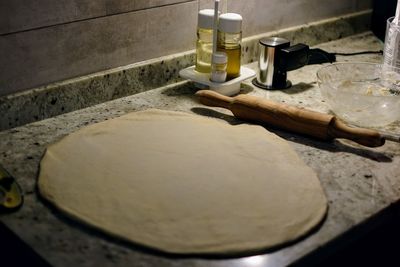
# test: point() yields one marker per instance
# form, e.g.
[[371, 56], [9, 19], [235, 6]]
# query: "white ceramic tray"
[[228, 88]]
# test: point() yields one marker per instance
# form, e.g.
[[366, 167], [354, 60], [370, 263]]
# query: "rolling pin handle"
[[214, 99], [366, 137]]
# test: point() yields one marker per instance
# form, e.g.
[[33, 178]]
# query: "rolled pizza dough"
[[183, 183]]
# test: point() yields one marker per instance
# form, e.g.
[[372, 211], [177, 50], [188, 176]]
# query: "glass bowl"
[[362, 94]]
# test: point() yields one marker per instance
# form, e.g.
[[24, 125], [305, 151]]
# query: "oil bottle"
[[204, 40], [229, 41]]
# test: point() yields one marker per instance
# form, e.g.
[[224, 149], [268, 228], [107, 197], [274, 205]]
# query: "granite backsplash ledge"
[[73, 94]]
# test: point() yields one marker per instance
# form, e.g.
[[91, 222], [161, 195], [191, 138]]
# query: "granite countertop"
[[360, 183]]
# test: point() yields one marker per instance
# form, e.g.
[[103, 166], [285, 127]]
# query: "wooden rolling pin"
[[311, 123]]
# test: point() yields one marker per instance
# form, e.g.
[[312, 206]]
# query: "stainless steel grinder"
[[276, 58]]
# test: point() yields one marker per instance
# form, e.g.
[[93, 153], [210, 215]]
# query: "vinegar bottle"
[[218, 67], [229, 41], [204, 40]]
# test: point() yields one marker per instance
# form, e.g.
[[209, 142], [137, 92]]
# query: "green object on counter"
[[11, 197]]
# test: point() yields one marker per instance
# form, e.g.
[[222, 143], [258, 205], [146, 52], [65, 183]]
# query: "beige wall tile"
[[32, 58], [21, 15], [277, 14], [268, 15], [119, 6]]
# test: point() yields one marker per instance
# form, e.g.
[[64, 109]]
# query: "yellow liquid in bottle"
[[204, 50], [203, 56], [234, 54]]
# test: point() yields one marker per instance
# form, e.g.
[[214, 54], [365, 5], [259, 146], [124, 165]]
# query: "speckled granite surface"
[[58, 98], [360, 183]]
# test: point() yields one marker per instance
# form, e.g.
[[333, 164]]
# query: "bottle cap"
[[230, 23], [219, 58], [205, 19]]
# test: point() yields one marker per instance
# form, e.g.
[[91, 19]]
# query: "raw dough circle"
[[183, 183]]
